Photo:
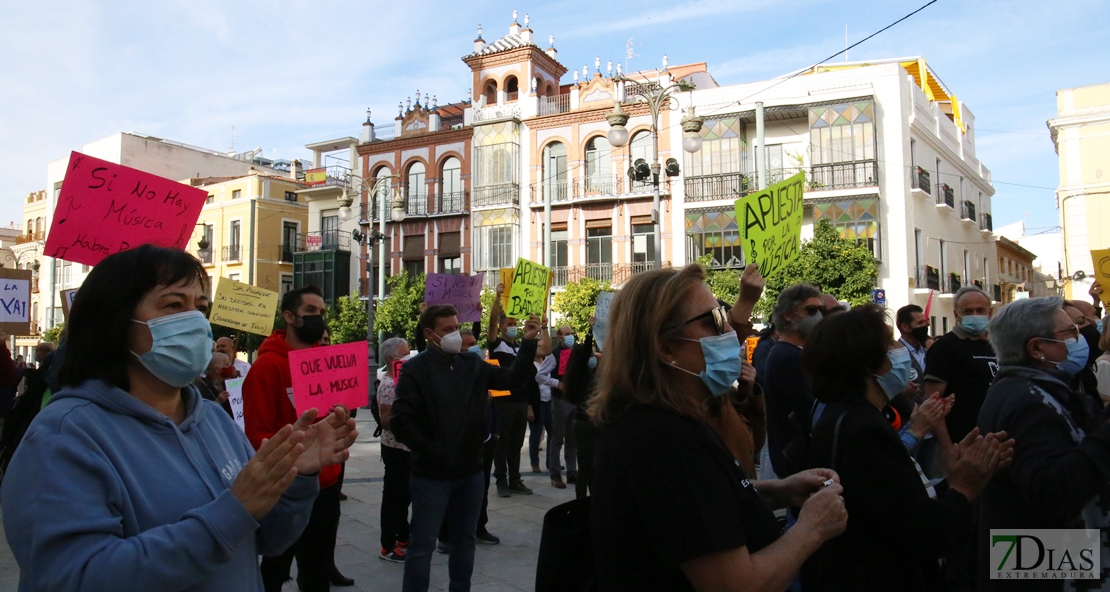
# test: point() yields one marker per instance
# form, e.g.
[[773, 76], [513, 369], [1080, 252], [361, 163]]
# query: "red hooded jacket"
[[268, 398]]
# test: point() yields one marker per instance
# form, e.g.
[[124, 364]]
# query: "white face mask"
[[451, 343]]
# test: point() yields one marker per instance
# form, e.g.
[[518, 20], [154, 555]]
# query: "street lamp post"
[[355, 186], [656, 99]]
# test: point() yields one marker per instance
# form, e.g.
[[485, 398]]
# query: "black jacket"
[[525, 389], [579, 378], [440, 410], [896, 533], [1057, 470]]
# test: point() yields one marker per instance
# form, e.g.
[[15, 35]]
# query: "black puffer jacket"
[[440, 410]]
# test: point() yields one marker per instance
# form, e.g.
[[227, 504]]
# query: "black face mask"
[[921, 334], [1090, 333], [312, 328]]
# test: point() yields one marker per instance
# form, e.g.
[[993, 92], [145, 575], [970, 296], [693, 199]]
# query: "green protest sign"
[[770, 222], [528, 295]]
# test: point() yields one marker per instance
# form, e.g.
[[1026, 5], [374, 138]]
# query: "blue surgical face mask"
[[568, 340], [511, 332], [181, 349], [474, 349], [1098, 325], [805, 325], [898, 378], [592, 363], [1078, 350], [722, 362], [975, 324]]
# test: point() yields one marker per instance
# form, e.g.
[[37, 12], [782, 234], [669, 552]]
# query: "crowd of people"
[[855, 451]]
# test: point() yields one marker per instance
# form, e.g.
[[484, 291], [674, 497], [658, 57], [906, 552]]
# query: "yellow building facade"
[[248, 229], [1081, 134]]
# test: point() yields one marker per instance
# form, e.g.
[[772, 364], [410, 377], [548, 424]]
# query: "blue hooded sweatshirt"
[[106, 493]]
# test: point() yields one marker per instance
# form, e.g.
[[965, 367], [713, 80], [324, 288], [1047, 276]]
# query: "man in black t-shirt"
[[962, 362], [513, 412]]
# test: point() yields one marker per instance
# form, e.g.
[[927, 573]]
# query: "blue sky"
[[290, 73]]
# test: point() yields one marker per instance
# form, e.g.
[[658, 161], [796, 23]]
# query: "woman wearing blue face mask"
[[1061, 466], [128, 479], [900, 524], [671, 509]]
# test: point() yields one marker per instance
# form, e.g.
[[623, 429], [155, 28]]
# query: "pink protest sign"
[[464, 292], [564, 357], [105, 208], [327, 376]]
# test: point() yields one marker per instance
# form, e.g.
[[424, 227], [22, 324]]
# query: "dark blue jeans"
[[433, 500]]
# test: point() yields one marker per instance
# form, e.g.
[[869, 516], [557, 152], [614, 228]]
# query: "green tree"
[[843, 267], [576, 303], [53, 334], [724, 283], [398, 314], [347, 320]]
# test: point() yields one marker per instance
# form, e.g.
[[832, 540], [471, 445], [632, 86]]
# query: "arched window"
[[381, 193], [549, 91], [416, 190], [555, 171], [641, 148], [450, 186], [511, 90], [491, 92], [38, 225], [30, 226], [599, 169]]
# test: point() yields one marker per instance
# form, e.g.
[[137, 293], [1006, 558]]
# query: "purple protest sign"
[[464, 292]]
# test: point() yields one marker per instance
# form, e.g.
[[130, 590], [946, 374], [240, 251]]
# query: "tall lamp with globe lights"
[[657, 99], [355, 186]]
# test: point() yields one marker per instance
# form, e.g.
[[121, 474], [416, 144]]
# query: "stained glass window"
[[855, 219], [722, 143], [842, 133], [716, 233]]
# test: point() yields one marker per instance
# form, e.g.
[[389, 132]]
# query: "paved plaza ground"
[[508, 567]]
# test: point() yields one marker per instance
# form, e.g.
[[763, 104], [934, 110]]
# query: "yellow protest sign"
[[1101, 259], [528, 296], [507, 281], [770, 222], [243, 307]]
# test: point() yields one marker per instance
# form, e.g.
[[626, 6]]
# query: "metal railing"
[[967, 211], [986, 222], [641, 88], [593, 186], [323, 240], [726, 186], [555, 105], [231, 253], [953, 283], [205, 256], [927, 276], [447, 123], [597, 185], [615, 273], [556, 190], [495, 195], [451, 203], [844, 175], [285, 253], [416, 204], [384, 132], [30, 237], [945, 196], [919, 179], [335, 176]]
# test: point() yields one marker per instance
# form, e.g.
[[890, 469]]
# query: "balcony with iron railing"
[[231, 253], [495, 195], [554, 105], [725, 186], [945, 196], [334, 176], [919, 179], [593, 186], [386, 131], [986, 223], [927, 277], [416, 204], [323, 240], [967, 211], [451, 203], [448, 123], [843, 175], [30, 237], [615, 273], [954, 284]]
